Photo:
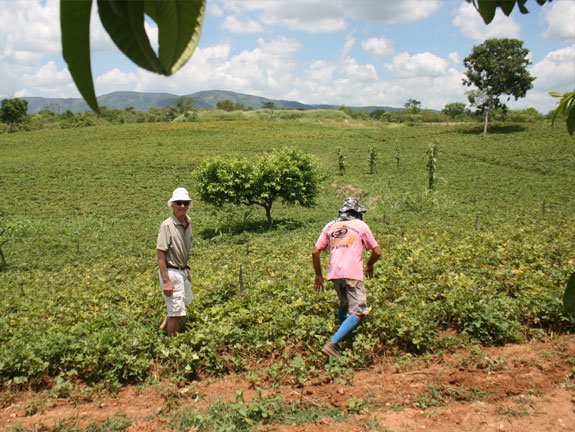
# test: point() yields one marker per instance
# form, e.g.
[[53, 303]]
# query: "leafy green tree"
[[412, 105], [377, 114], [497, 67], [13, 111], [454, 109], [270, 105], [225, 105], [345, 109], [184, 104], [288, 175]]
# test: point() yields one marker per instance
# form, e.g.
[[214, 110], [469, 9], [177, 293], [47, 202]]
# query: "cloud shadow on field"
[[249, 227], [496, 129]]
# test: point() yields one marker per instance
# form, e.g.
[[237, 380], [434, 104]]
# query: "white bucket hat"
[[179, 194]]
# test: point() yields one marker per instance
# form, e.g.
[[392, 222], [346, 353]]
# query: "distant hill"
[[203, 99]]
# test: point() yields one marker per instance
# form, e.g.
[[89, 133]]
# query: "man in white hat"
[[346, 237], [173, 250]]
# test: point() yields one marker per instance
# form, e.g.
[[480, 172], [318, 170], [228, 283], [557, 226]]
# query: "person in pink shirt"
[[345, 237]]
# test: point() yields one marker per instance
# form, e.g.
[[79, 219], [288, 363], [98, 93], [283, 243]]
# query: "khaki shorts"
[[352, 295], [182, 295]]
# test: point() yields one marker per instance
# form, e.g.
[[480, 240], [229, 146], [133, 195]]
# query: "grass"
[[487, 253]]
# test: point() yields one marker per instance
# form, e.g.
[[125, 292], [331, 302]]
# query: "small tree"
[[341, 161], [454, 110], [288, 175], [412, 105], [494, 68], [372, 158], [13, 111], [270, 105], [432, 165], [226, 105], [377, 114]]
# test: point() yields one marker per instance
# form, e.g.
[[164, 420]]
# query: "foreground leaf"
[[179, 25], [75, 27], [567, 107], [124, 22]]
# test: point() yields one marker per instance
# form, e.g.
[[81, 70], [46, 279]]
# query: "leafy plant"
[[288, 174], [432, 153], [341, 162], [372, 158]]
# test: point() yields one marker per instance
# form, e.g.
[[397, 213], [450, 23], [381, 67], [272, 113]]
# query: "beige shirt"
[[175, 241]]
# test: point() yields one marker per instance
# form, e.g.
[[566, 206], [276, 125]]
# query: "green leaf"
[[522, 7], [124, 22], [179, 25], [571, 119], [507, 6], [75, 27], [487, 10], [569, 296]]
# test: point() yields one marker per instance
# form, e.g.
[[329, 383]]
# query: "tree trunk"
[[269, 214], [486, 122]]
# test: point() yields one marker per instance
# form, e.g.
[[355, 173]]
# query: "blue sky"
[[351, 52]]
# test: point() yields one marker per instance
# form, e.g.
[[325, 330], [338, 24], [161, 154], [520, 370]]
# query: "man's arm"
[[375, 254], [167, 283], [318, 282]]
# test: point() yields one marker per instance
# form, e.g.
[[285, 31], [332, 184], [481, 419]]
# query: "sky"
[[339, 52]]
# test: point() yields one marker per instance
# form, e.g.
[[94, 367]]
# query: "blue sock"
[[346, 327], [341, 314]]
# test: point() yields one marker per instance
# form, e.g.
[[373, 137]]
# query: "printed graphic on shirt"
[[342, 235]]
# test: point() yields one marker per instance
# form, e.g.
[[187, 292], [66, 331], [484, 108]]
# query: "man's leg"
[[342, 314], [346, 327], [173, 325]]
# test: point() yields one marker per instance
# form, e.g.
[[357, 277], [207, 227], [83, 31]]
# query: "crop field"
[[482, 258]]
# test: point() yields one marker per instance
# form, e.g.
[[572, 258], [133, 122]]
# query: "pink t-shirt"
[[346, 240]]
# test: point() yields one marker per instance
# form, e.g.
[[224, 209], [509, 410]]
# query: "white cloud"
[[28, 31], [280, 45], [347, 47], [471, 24], [352, 70], [115, 80], [455, 58], [419, 65], [377, 46], [556, 72], [234, 25], [266, 70], [323, 16], [560, 19], [50, 81], [215, 10]]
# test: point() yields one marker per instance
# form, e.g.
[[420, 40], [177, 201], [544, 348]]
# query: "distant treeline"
[[227, 110]]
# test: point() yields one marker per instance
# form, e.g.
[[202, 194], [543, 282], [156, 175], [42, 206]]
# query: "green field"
[[487, 253]]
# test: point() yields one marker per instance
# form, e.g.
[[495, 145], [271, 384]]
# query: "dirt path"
[[526, 388]]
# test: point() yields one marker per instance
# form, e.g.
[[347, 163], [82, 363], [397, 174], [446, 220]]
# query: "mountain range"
[[203, 99]]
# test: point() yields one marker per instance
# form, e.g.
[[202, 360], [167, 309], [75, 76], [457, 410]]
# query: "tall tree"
[[497, 67], [13, 111], [412, 105]]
